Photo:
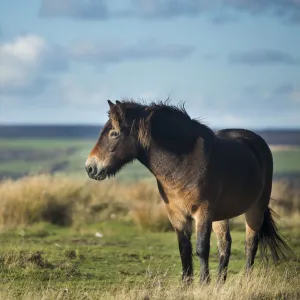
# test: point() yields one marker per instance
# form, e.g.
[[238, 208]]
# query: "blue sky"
[[236, 63]]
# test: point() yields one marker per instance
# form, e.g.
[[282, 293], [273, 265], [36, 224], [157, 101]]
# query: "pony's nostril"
[[90, 170]]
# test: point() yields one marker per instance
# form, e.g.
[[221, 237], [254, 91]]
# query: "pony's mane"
[[144, 113], [164, 105]]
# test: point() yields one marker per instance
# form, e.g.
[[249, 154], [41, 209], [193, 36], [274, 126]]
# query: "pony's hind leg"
[[254, 220], [261, 228], [222, 231]]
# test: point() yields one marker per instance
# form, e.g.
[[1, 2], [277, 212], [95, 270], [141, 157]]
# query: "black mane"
[[171, 127]]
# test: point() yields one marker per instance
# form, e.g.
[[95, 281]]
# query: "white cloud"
[[19, 62], [24, 62], [26, 48]]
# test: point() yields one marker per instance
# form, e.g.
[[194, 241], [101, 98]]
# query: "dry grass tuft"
[[286, 197], [151, 216], [23, 260], [148, 210]]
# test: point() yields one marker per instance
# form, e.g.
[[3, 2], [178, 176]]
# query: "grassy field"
[[19, 157], [68, 238], [62, 263]]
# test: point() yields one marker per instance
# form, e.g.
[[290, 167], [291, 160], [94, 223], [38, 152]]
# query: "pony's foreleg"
[[222, 231], [185, 250], [203, 229], [183, 229]]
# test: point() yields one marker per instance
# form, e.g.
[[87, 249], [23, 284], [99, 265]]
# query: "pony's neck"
[[177, 173], [171, 167], [160, 162], [177, 142]]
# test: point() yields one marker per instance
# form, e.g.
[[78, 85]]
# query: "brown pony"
[[201, 174]]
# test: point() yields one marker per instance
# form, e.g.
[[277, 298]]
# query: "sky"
[[235, 63]]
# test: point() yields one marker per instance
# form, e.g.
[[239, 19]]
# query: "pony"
[[202, 175]]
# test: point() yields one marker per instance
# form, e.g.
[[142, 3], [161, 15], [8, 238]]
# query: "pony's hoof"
[[187, 280], [205, 279]]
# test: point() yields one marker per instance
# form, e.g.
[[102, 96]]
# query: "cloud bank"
[[29, 63], [258, 57], [114, 52], [78, 9], [287, 10]]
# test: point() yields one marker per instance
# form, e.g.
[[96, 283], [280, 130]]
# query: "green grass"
[[58, 158], [287, 161], [124, 257], [51, 156]]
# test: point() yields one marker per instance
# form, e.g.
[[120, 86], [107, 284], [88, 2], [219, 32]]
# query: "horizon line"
[[101, 124]]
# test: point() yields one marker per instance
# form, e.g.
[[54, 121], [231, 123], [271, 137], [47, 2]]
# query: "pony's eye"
[[114, 134]]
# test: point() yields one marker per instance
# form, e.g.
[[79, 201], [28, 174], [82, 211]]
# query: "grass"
[[65, 238], [19, 157], [287, 161], [127, 263]]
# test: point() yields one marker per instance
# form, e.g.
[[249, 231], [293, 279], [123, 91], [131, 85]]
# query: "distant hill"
[[281, 137], [50, 131], [274, 137]]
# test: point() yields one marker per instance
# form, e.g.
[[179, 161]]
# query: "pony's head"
[[119, 142], [133, 126]]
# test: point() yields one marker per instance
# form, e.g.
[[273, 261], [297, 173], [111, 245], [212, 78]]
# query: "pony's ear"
[[110, 104], [116, 113], [120, 108]]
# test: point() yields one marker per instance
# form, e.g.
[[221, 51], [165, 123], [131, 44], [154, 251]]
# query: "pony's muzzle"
[[95, 170]]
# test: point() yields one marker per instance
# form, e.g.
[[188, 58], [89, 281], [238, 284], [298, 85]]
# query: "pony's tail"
[[269, 236]]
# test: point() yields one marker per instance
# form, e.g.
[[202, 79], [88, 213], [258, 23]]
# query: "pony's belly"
[[223, 214], [233, 205]]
